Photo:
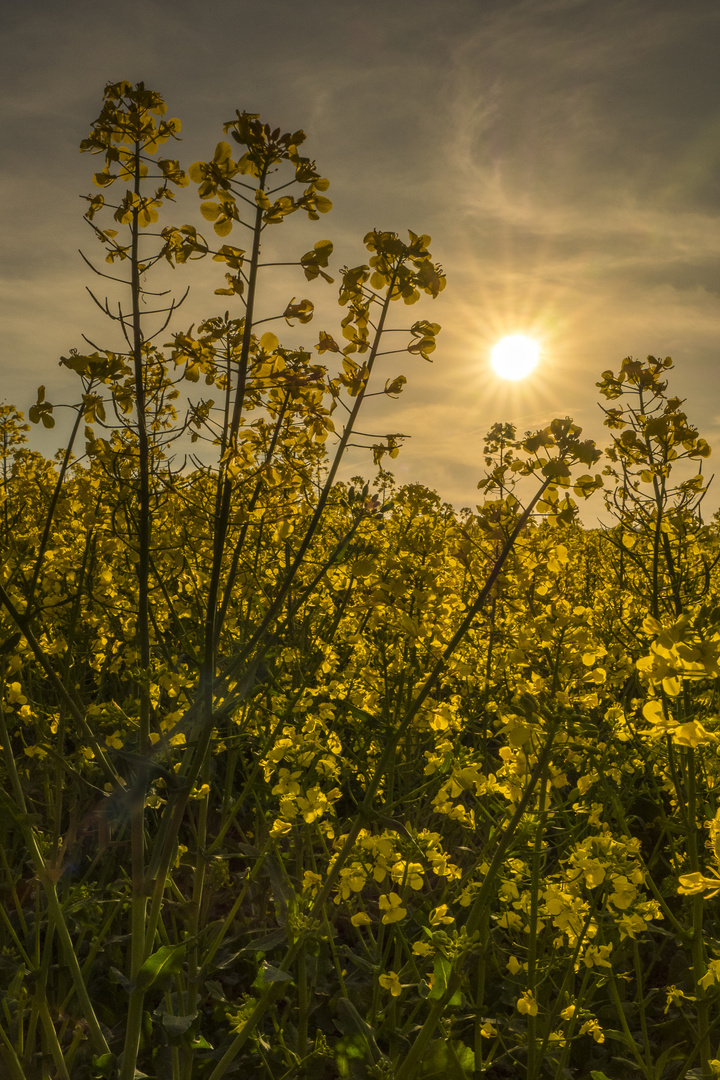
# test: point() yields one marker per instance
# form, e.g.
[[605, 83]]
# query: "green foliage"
[[302, 778]]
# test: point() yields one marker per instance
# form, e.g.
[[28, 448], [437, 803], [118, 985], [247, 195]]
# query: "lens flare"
[[515, 356]]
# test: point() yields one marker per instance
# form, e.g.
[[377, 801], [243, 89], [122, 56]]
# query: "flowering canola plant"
[[311, 777]]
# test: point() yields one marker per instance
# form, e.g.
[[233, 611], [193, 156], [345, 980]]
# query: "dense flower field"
[[303, 778]]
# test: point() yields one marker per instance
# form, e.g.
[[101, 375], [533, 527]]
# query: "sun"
[[515, 356]]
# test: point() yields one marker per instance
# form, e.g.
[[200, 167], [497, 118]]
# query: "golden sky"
[[562, 154]]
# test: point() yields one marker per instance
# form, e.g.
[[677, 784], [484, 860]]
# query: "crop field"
[[305, 777]]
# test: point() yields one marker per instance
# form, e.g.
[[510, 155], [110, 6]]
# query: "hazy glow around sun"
[[515, 356]]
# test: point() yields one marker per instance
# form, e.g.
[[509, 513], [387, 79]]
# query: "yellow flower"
[[280, 827], [510, 921], [410, 872], [392, 983], [676, 996], [711, 976], [630, 924], [361, 919], [311, 881], [508, 891], [352, 879], [597, 955], [591, 1027], [527, 1005], [624, 892], [36, 751], [513, 965], [567, 1014], [181, 850], [439, 915], [287, 783], [392, 906], [422, 948], [692, 884], [15, 695], [488, 1030], [594, 873], [314, 806], [692, 734]]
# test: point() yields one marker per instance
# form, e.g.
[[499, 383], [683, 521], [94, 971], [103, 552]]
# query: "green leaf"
[[267, 942], [104, 1064], [166, 961], [177, 1025], [199, 1043], [442, 972], [271, 974], [448, 1060], [215, 989], [121, 979]]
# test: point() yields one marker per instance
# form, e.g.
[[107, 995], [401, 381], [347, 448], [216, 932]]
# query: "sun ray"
[[515, 356]]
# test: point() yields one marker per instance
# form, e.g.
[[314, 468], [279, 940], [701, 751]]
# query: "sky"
[[564, 156]]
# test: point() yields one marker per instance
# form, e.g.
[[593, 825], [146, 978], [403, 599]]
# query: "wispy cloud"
[[564, 155]]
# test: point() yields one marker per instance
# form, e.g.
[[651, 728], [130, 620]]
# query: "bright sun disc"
[[515, 357]]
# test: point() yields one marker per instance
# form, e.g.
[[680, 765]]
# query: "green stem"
[[52, 1042], [479, 1004], [535, 885], [640, 1002], [47, 880], [53, 504], [629, 1038], [225, 485], [199, 879], [699, 959], [138, 940], [40, 995], [10, 1058]]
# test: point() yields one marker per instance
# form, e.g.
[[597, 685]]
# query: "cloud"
[[579, 178], [563, 154]]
